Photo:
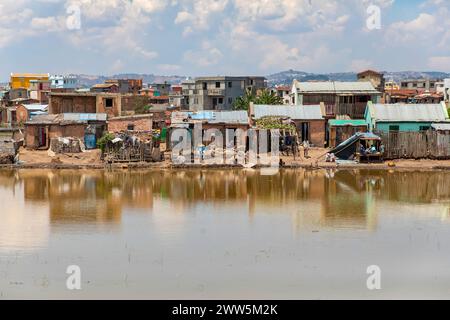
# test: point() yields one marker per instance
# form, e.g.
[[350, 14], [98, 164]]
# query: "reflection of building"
[[313, 198]]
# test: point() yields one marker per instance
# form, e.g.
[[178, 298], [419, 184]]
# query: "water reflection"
[[346, 198]]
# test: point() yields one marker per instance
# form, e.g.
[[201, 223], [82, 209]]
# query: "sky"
[[222, 37]]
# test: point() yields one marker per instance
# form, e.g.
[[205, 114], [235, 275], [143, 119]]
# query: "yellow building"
[[391, 85], [22, 80]]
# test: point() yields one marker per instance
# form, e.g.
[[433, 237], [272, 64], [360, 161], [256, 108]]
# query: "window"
[[230, 100], [130, 127], [204, 85], [217, 84], [220, 100], [394, 128], [230, 84], [108, 103]]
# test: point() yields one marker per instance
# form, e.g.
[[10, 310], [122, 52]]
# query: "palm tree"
[[268, 97], [264, 97], [243, 103]]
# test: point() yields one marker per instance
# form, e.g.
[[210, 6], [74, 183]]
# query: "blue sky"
[[210, 37]]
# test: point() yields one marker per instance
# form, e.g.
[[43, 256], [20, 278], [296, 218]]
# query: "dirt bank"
[[91, 160]]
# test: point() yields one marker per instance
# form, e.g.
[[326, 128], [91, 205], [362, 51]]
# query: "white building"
[[63, 82]]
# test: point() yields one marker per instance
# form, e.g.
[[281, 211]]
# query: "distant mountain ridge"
[[279, 78], [286, 77]]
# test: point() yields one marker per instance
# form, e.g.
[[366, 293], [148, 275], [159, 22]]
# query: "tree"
[[141, 104], [243, 103], [264, 97], [268, 97]]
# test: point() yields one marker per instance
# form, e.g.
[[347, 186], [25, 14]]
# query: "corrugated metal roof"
[[441, 126], [36, 107], [408, 112], [344, 122], [84, 116], [232, 117], [336, 87], [238, 117], [311, 112]]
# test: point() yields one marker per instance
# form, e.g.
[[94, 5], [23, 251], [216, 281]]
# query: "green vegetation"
[[141, 105], [271, 122], [264, 97], [103, 141]]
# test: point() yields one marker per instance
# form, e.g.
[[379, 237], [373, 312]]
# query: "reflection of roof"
[[335, 87], [441, 126], [408, 112], [343, 122], [311, 112], [231, 117]]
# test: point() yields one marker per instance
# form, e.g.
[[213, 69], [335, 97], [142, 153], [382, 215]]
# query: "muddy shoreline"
[[165, 166]]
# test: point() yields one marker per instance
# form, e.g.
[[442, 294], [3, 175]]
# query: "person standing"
[[306, 149]]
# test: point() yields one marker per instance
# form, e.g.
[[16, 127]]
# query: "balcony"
[[354, 110], [216, 92]]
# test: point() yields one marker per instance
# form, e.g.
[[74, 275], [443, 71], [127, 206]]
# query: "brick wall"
[[139, 123]]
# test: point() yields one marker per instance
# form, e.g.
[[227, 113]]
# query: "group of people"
[[370, 149], [290, 142]]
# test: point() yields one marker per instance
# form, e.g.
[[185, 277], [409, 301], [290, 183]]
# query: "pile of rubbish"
[[66, 145], [9, 150]]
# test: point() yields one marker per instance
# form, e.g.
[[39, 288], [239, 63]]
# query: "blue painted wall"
[[403, 126]]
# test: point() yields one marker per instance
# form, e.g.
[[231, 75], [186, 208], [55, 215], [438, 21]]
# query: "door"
[[42, 137], [304, 130]]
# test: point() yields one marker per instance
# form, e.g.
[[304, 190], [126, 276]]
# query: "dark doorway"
[[42, 137], [304, 131]]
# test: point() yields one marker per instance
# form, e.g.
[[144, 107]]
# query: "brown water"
[[201, 234]]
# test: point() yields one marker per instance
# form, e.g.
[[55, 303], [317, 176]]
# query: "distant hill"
[[283, 77], [90, 80]]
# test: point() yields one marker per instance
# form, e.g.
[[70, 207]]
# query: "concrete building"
[[376, 78], [63, 82], [283, 92], [424, 84], [341, 99], [132, 86], [446, 90], [218, 93]]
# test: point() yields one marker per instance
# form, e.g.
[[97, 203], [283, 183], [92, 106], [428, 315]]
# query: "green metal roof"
[[343, 122]]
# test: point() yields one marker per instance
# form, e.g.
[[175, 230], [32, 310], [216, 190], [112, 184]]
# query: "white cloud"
[[206, 57], [422, 27], [196, 15]]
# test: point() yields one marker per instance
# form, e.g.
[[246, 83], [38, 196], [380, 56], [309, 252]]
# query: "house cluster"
[[324, 113]]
